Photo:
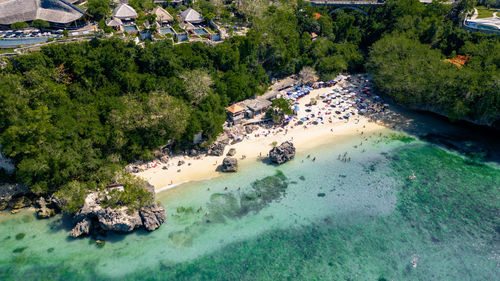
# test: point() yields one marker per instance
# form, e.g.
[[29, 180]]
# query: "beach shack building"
[[125, 13], [235, 113], [58, 13], [255, 107], [191, 16], [162, 16]]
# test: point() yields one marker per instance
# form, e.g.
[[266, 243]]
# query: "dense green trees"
[[73, 115], [98, 9], [41, 24], [19, 25], [409, 65]]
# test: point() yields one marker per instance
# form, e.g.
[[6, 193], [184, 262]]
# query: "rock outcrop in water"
[[93, 217], [282, 153], [152, 216], [229, 164]]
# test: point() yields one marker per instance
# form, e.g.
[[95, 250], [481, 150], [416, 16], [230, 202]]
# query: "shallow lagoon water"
[[316, 220]]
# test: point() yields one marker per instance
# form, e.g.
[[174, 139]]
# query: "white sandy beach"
[[254, 147]]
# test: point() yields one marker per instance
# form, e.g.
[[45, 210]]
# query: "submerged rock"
[[152, 216], [229, 165], [283, 153]]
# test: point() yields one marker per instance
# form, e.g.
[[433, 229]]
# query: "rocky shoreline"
[[91, 219], [94, 218]]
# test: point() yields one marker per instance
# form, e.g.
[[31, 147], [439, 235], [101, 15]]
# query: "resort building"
[[191, 16], [235, 113], [162, 15], [56, 12], [255, 107], [124, 12]]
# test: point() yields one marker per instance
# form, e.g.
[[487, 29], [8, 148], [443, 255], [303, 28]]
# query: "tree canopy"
[[74, 114]]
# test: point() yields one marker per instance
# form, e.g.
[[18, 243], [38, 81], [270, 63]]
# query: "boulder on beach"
[[229, 164], [164, 159], [231, 152], [217, 149], [282, 153]]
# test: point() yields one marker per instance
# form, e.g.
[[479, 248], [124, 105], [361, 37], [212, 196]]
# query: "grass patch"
[[484, 12], [7, 50]]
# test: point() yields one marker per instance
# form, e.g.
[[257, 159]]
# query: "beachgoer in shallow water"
[[225, 188], [314, 159], [309, 156]]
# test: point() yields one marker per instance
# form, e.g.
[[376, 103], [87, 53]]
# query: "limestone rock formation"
[[152, 216], [217, 149], [282, 153], [231, 152], [82, 228], [229, 165], [44, 211], [119, 219], [9, 191], [20, 202]]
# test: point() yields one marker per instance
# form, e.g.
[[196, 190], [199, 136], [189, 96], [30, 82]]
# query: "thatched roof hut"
[[162, 15], [124, 11], [191, 16], [54, 11], [114, 22]]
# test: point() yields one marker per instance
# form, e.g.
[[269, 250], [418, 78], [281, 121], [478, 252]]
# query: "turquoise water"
[[306, 220], [166, 30], [130, 28], [200, 31]]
